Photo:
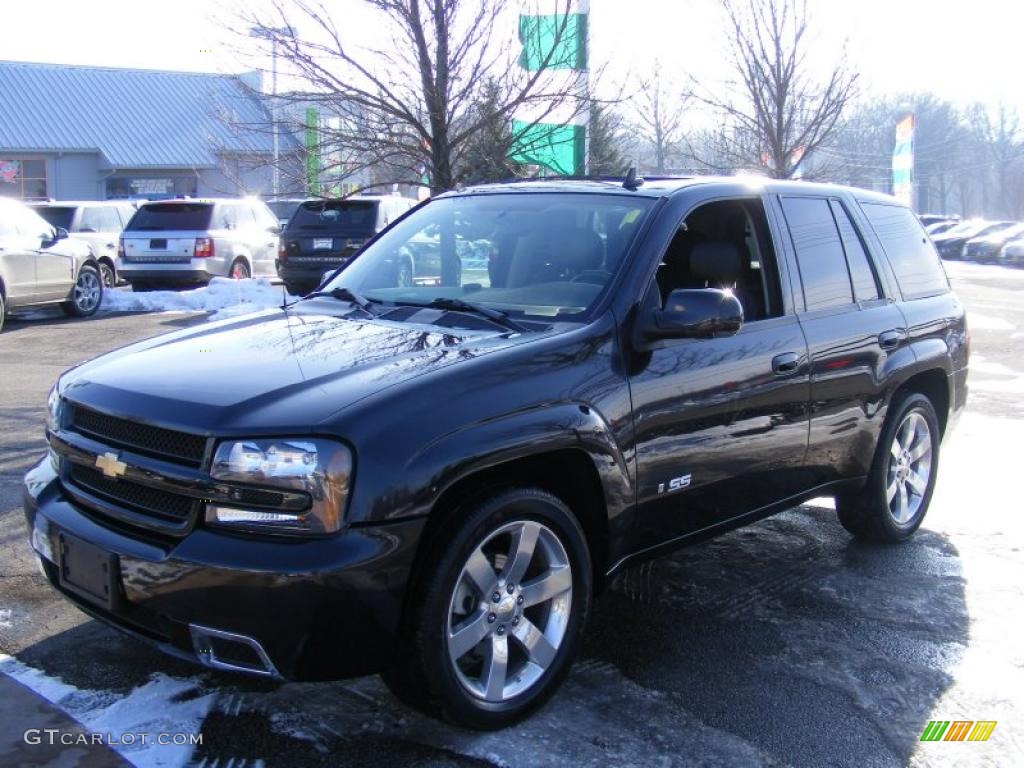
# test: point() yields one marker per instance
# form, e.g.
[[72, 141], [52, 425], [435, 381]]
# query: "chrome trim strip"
[[204, 651]]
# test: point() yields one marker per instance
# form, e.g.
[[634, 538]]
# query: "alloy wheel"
[[910, 468], [88, 291], [509, 611]]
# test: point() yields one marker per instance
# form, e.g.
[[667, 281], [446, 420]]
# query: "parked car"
[[41, 265], [323, 235], [188, 242], [950, 244], [986, 248], [284, 208], [1012, 254], [938, 227], [938, 218], [96, 222], [434, 480]]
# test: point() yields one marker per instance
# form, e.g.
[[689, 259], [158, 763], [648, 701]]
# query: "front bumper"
[[313, 609]]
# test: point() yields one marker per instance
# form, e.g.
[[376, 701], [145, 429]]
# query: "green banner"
[[313, 151], [562, 37], [559, 148]]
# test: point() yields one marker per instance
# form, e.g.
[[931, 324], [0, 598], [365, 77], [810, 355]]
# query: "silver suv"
[[96, 222], [40, 264], [188, 242]]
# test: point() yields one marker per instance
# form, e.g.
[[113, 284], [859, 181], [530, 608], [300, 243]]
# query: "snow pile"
[[223, 297], [163, 705]]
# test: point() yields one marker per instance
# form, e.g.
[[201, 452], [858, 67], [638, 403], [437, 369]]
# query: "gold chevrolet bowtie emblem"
[[110, 465]]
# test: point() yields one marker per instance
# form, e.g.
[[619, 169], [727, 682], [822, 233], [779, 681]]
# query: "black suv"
[[434, 480]]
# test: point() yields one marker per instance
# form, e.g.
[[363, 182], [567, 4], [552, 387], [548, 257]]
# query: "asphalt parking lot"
[[784, 643]]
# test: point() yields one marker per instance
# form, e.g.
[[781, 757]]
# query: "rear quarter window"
[[910, 251]]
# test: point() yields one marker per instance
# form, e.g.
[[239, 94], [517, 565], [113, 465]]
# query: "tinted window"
[[865, 285], [58, 216], [172, 216], [819, 252], [350, 217], [914, 260]]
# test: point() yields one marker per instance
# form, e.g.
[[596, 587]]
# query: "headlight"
[[319, 468], [53, 406]]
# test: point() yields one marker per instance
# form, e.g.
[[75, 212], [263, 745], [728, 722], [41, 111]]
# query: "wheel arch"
[[934, 384]]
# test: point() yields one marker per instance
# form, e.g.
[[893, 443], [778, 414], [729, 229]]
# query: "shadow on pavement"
[[785, 642]]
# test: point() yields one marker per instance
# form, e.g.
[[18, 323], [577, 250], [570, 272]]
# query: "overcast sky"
[[962, 51]]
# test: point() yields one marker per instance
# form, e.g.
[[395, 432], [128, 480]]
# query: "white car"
[[1012, 254], [97, 222]]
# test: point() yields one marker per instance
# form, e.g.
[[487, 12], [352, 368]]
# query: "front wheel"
[[497, 613], [899, 487], [86, 295]]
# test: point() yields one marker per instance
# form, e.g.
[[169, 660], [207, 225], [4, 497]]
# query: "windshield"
[[548, 255], [346, 217], [181, 217], [58, 217]]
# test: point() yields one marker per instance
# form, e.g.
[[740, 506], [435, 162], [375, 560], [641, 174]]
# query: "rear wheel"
[[87, 293], [240, 270], [497, 612], [108, 275], [899, 488]]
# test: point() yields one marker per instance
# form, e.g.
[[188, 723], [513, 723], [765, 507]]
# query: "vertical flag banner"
[[553, 134], [313, 150], [903, 161]]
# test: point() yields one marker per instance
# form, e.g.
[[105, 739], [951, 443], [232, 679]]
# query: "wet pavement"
[[784, 643]]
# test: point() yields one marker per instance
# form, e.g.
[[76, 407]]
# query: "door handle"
[[786, 363], [889, 340]]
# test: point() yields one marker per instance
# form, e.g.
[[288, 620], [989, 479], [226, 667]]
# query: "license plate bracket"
[[88, 571], [323, 243]]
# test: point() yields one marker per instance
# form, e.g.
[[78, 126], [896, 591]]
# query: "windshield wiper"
[[459, 305], [344, 294]]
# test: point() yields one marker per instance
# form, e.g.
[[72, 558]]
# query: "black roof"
[[666, 186]]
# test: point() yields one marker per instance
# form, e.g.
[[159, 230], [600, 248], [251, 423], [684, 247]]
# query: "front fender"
[[541, 429]]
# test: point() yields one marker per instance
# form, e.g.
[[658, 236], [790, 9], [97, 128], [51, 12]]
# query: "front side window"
[[58, 216], [914, 260], [819, 252], [542, 254]]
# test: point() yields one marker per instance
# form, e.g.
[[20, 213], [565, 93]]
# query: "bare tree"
[[410, 105], [659, 118], [780, 108]]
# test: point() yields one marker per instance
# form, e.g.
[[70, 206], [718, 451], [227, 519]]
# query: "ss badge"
[[675, 484]]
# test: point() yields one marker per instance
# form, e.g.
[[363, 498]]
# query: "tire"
[[239, 270], [108, 275], [87, 295], [446, 663], [3, 309], [908, 449]]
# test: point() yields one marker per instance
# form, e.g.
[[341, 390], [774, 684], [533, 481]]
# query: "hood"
[[278, 369]]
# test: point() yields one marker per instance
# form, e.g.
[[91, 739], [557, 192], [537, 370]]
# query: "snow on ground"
[[223, 297], [163, 705]]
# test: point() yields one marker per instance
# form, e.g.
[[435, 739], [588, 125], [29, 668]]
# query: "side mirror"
[[274, 229], [694, 313]]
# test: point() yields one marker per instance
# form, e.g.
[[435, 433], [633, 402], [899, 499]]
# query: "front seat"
[[555, 255], [720, 265]]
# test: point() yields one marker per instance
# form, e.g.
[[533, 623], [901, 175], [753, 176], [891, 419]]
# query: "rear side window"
[[865, 284], [819, 252], [178, 217], [349, 217], [914, 260]]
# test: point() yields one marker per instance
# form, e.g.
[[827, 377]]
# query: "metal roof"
[[134, 118]]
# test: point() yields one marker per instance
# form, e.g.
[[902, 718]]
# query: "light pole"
[[271, 34]]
